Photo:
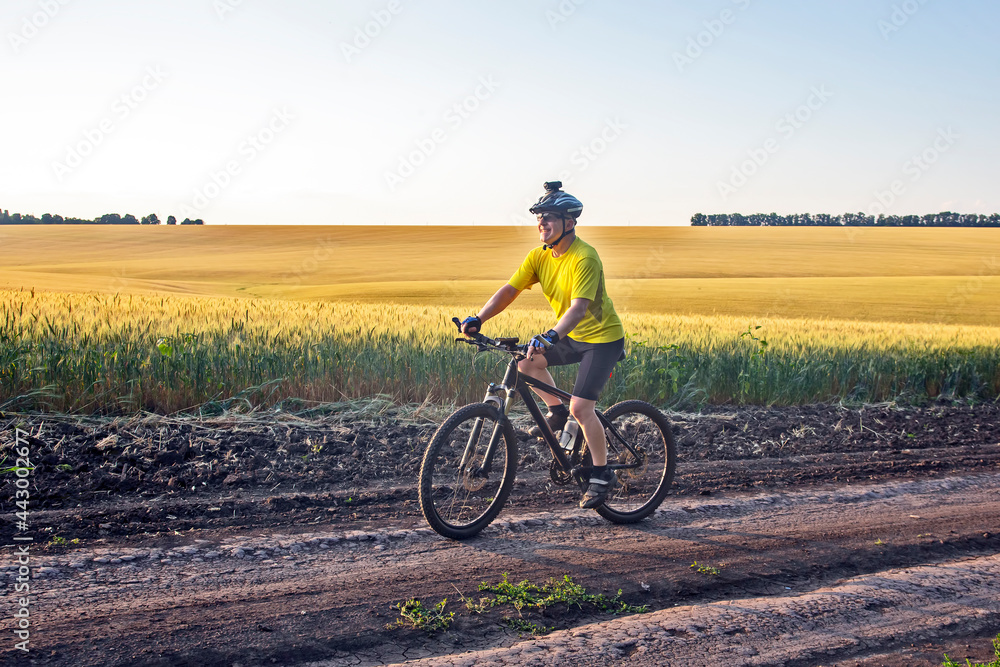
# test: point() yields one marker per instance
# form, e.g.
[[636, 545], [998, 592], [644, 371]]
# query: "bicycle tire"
[[639, 491], [455, 502]]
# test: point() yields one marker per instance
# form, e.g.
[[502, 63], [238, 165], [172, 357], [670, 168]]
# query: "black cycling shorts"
[[596, 362]]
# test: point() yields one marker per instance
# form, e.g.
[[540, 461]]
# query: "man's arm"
[[572, 317], [569, 320], [497, 303]]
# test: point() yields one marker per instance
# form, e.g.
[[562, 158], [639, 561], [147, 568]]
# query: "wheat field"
[[948, 276], [118, 320]]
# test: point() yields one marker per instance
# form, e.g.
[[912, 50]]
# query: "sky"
[[430, 112]]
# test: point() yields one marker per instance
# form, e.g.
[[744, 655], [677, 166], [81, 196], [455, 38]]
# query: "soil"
[[284, 539]]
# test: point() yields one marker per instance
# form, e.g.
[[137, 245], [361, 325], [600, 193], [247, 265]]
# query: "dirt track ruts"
[[278, 539], [809, 576]]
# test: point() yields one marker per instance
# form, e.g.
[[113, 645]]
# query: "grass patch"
[[704, 568], [414, 614], [526, 595], [57, 541], [522, 626], [948, 662]]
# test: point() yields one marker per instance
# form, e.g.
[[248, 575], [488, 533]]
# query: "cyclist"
[[588, 330]]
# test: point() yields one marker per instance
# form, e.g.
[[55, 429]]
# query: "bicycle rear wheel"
[[640, 490], [461, 491]]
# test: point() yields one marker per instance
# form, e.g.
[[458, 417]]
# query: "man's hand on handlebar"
[[542, 342], [470, 325]]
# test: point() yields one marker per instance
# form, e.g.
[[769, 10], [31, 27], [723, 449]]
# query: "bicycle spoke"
[[647, 463], [464, 479]]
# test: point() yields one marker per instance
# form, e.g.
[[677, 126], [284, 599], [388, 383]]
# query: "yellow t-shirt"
[[576, 274]]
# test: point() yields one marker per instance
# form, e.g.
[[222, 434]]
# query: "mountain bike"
[[469, 466]]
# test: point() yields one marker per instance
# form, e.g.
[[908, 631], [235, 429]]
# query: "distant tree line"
[[8, 218], [946, 219]]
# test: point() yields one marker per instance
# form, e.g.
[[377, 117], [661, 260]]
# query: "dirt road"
[[894, 563]]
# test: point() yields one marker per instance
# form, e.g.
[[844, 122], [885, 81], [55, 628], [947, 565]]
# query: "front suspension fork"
[[502, 406]]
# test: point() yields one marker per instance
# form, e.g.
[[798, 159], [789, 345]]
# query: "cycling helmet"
[[556, 201]]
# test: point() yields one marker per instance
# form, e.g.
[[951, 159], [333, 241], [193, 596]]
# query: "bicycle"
[[469, 466]]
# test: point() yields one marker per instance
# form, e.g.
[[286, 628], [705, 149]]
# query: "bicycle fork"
[[503, 406]]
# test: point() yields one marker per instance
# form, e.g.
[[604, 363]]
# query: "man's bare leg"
[[538, 368], [583, 411]]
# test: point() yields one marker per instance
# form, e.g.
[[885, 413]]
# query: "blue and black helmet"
[[556, 201]]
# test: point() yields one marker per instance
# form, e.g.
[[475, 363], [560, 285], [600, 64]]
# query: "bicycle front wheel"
[[468, 471], [640, 489]]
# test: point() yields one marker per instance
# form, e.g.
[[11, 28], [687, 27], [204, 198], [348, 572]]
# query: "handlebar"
[[486, 343]]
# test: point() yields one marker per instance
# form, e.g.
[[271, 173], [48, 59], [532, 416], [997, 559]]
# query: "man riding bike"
[[588, 330]]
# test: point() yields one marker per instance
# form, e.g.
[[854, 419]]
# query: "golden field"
[[882, 274], [120, 353], [118, 319]]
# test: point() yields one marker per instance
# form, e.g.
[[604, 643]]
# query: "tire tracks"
[[792, 559], [872, 612]]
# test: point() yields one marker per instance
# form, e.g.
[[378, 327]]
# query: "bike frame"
[[515, 383]]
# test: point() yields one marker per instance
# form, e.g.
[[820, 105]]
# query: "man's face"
[[550, 227]]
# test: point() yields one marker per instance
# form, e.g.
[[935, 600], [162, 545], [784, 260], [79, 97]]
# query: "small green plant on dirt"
[[478, 607], [704, 568], [879, 542], [11, 469], [414, 614], [521, 626], [526, 595], [57, 541], [948, 662]]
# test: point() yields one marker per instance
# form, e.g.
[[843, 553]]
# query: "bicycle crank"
[[558, 475]]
